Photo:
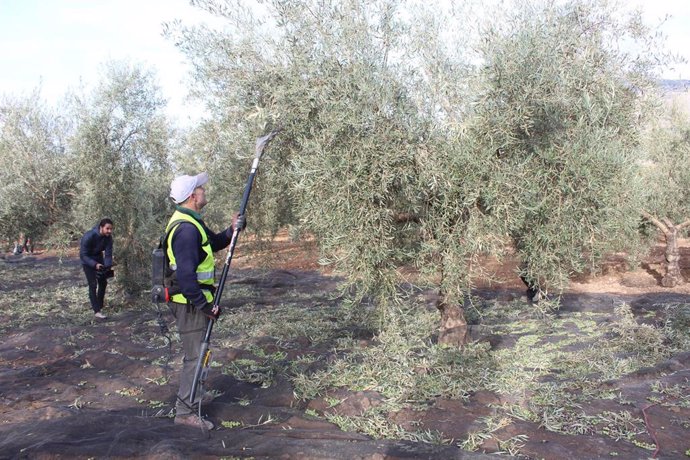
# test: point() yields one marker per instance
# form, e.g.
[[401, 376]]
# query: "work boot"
[[193, 420], [100, 315]]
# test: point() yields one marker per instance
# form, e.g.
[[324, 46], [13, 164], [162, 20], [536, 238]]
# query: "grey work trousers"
[[191, 325]]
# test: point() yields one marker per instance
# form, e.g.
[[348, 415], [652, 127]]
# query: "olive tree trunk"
[[453, 330], [671, 231]]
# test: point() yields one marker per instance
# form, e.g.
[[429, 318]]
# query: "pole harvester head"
[[262, 142]]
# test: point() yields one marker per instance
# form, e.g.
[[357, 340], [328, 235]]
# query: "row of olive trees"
[[412, 134], [403, 142], [104, 154]]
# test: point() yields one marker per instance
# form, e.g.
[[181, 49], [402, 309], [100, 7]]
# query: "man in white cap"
[[190, 246]]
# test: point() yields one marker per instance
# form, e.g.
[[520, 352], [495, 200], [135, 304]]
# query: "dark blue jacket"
[[93, 246], [186, 245]]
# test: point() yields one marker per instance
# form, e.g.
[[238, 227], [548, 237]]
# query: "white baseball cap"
[[182, 186]]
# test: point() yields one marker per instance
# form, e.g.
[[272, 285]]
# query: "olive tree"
[[345, 167], [37, 186], [562, 107], [667, 197], [121, 145]]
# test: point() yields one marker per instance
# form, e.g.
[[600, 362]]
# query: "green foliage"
[[402, 365], [121, 147], [402, 145], [36, 188], [666, 160], [632, 337], [677, 327], [345, 166], [562, 107]]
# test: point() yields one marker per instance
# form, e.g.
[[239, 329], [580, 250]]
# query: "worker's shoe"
[[100, 315], [194, 421]]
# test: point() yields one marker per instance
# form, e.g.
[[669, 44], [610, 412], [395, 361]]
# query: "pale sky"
[[52, 44], [676, 29]]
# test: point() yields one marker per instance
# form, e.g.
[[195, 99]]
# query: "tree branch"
[[656, 222], [126, 138]]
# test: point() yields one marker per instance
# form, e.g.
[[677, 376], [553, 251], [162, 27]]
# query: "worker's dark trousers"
[[97, 287], [191, 324]]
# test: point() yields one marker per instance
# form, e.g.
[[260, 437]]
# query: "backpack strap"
[[162, 244]]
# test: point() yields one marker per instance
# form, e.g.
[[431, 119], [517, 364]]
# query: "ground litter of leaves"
[[105, 389]]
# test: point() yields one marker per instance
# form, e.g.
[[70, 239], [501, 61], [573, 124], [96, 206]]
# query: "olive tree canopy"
[[121, 146], [37, 186], [332, 75], [398, 148], [563, 108]]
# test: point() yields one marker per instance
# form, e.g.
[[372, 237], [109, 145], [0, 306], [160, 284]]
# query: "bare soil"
[[92, 391]]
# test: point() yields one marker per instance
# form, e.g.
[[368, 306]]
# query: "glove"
[[239, 222], [211, 311]]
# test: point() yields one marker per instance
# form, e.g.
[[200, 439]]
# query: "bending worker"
[[190, 246]]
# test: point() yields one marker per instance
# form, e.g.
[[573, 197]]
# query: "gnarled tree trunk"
[[671, 231], [453, 330]]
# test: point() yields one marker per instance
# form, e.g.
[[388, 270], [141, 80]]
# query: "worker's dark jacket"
[[92, 248], [186, 245]]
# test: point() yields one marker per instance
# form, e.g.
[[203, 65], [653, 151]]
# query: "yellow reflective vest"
[[205, 272]]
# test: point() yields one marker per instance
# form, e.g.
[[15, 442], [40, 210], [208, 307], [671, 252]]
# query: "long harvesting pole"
[[202, 364]]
